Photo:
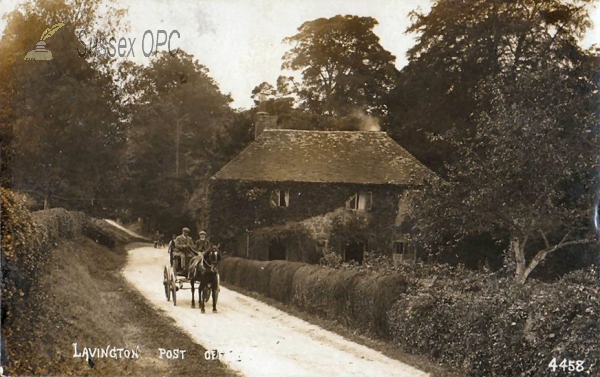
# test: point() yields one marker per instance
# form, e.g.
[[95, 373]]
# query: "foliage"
[[488, 326], [499, 187], [61, 121], [348, 227], [478, 324], [349, 297], [343, 66], [109, 138], [462, 44], [26, 241], [298, 242], [250, 202], [172, 151], [274, 102]]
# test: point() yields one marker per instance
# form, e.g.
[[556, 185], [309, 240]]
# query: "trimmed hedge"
[[353, 298], [480, 324]]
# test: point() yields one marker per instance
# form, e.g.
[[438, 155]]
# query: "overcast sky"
[[240, 41]]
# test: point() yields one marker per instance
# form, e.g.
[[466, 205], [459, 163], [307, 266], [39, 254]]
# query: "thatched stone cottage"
[[290, 194]]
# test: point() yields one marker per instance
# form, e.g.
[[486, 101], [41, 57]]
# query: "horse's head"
[[212, 258]]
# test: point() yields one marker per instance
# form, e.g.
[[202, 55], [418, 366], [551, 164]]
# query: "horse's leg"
[[193, 302], [215, 293], [201, 294]]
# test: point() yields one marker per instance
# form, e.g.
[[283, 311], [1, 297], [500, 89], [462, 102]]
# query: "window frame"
[[364, 197], [408, 253], [276, 198]]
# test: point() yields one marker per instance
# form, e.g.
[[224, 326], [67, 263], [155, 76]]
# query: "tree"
[[178, 112], [528, 171], [343, 66], [61, 121], [462, 44]]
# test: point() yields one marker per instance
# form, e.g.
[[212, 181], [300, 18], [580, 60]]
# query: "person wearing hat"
[[183, 243], [203, 244]]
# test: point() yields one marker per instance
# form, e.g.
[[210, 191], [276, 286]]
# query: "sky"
[[240, 41]]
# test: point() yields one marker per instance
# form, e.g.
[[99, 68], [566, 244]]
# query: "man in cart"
[[203, 247], [203, 244], [184, 245]]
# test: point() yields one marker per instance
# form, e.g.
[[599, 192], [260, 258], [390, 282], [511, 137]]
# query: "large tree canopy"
[[500, 99], [61, 121], [177, 115], [528, 172], [462, 44], [343, 66]]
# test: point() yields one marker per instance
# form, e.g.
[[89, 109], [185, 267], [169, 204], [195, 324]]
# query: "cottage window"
[[404, 251], [280, 198], [360, 201]]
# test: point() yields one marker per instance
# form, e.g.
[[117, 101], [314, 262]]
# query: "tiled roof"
[[363, 157]]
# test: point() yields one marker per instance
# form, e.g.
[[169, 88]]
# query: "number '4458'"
[[567, 365]]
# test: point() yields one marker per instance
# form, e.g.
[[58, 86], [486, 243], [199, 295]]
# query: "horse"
[[203, 269]]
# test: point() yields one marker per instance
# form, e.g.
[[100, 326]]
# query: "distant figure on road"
[[158, 239]]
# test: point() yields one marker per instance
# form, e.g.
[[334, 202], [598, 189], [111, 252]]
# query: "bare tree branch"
[[544, 237]]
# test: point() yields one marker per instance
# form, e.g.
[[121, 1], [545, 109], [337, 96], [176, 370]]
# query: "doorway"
[[277, 250], [355, 251]]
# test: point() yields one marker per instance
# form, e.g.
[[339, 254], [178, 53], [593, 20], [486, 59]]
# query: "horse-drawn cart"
[[204, 273]]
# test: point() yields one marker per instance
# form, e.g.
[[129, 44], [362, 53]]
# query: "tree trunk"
[[518, 250], [517, 247]]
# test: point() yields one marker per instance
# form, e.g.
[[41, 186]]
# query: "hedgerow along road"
[[254, 338]]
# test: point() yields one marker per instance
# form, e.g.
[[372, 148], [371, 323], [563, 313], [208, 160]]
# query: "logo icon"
[[40, 52]]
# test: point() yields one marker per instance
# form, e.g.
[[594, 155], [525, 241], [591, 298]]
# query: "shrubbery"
[[353, 298], [481, 324], [27, 240]]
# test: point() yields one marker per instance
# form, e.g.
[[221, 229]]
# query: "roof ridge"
[[236, 158], [412, 156], [367, 157]]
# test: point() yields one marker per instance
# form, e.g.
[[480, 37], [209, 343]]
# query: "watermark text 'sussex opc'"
[[123, 47]]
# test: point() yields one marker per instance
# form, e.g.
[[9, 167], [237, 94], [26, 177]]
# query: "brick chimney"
[[263, 120]]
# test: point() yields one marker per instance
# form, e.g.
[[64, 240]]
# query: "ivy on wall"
[[236, 208]]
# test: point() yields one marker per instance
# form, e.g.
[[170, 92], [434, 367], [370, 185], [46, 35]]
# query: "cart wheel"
[[174, 289], [167, 284]]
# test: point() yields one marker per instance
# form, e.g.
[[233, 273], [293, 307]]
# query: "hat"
[[186, 229], [202, 233]]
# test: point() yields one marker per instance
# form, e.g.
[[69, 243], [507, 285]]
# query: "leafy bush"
[[491, 326], [481, 324], [27, 240], [18, 265]]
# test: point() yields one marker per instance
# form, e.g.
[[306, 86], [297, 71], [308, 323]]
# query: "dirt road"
[[254, 338]]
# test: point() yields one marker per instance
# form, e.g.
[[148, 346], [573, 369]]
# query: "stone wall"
[[319, 227]]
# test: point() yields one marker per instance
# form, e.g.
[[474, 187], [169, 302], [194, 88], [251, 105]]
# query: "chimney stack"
[[263, 121]]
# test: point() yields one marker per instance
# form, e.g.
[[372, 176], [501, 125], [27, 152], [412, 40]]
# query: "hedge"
[[27, 241], [476, 323], [353, 298]]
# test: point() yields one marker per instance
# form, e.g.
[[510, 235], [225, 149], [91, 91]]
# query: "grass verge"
[[82, 298]]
